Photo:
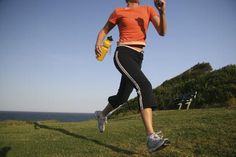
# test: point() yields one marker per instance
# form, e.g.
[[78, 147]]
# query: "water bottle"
[[104, 48]]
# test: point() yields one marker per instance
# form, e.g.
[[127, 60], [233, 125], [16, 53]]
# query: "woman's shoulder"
[[147, 6], [120, 8]]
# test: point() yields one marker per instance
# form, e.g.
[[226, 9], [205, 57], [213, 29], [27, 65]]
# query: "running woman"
[[133, 21]]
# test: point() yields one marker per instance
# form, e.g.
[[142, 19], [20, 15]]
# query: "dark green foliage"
[[215, 88]]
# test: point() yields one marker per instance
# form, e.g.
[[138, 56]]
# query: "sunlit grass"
[[209, 132]]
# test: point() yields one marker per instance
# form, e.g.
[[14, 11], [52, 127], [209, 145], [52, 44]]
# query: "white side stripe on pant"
[[132, 80]]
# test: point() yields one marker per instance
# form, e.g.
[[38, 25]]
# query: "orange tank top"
[[132, 23]]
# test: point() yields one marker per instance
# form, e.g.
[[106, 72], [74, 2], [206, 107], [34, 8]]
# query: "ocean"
[[41, 116]]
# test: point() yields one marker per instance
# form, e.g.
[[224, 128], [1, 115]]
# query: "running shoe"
[[156, 142], [102, 120]]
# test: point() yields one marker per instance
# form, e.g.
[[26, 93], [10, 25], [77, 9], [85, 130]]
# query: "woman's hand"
[[159, 22], [97, 50], [101, 35], [160, 5]]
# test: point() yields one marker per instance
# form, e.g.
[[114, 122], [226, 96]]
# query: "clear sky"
[[47, 60]]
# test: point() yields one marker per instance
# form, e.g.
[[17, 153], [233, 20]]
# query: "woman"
[[132, 22]]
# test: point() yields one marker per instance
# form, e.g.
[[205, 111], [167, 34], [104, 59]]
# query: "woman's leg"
[[129, 64], [107, 109], [147, 120], [124, 91], [115, 101]]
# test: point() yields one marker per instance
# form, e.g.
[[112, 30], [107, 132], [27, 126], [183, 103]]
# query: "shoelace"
[[103, 118], [158, 134]]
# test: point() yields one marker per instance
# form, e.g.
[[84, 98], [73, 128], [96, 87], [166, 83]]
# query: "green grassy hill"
[[215, 88], [208, 132]]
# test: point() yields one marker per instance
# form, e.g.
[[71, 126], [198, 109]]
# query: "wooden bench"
[[185, 99]]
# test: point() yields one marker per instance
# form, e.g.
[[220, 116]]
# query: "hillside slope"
[[216, 88], [208, 132]]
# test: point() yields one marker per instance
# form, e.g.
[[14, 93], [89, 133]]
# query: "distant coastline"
[[41, 116]]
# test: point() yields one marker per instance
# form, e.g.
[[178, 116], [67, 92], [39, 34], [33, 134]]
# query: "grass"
[[208, 132]]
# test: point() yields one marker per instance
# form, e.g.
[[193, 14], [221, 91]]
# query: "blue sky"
[[47, 60]]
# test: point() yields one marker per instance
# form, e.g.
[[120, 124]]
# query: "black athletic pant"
[[129, 62]]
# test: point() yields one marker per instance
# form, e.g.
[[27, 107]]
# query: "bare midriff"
[[137, 47]]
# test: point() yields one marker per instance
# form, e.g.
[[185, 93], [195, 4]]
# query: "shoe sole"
[[165, 143]]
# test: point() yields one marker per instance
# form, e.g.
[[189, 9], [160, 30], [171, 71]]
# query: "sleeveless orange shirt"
[[132, 23]]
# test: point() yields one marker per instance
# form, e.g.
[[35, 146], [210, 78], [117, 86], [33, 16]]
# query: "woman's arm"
[[101, 35], [160, 22]]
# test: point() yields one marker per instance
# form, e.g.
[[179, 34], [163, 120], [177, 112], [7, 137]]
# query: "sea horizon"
[[44, 111], [41, 116]]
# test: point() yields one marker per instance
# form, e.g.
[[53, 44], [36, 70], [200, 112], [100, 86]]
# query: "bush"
[[216, 88], [231, 103]]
